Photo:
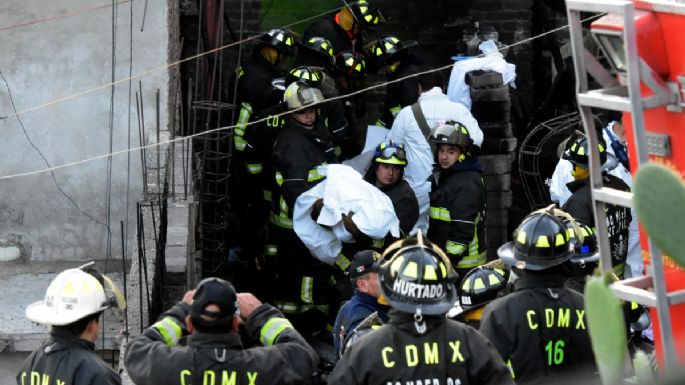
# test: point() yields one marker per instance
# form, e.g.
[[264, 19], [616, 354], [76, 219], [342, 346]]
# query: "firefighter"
[[255, 90], [540, 328], [580, 206], [303, 285], [386, 173], [414, 130], [73, 304], [418, 344], [457, 208], [363, 275], [585, 257], [343, 29], [211, 314], [349, 73], [391, 56], [478, 288]]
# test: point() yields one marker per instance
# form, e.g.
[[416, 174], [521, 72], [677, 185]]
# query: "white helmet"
[[71, 296], [298, 95]]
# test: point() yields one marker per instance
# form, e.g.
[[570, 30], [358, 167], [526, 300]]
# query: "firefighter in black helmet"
[[540, 328], [391, 55], [457, 198], [585, 257], [478, 288], [349, 73], [580, 206], [419, 343]]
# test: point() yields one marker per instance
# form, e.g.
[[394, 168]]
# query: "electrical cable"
[[183, 138], [51, 18], [50, 169], [152, 70]]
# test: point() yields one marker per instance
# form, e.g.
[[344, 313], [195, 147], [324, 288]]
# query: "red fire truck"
[[644, 44]]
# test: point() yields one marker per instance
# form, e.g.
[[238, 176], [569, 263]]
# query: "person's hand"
[[316, 209], [188, 297], [247, 303]]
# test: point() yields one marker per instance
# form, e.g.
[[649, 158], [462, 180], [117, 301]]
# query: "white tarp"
[[458, 90], [342, 191]]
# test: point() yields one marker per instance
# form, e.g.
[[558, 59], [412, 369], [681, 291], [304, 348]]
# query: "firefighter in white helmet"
[[72, 307]]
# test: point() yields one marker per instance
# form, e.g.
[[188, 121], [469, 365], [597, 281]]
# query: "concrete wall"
[[54, 59]]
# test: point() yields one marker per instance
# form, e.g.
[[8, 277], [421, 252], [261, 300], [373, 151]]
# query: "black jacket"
[[403, 93], [65, 359], [457, 213], [447, 353], [579, 205], [327, 28], [296, 155], [403, 201], [285, 357], [540, 330]]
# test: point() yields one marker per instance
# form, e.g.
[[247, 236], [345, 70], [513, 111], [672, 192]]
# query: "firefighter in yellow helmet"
[[73, 305], [418, 344], [540, 328]]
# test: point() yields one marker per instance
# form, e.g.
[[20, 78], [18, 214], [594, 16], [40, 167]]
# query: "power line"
[[179, 139], [51, 18], [152, 70]]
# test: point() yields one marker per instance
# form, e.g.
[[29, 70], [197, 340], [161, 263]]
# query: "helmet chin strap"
[[419, 323]]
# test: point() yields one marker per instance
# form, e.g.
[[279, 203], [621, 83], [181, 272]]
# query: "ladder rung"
[[599, 6], [613, 196], [597, 99], [638, 290]]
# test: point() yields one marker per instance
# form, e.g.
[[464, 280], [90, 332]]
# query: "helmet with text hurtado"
[[541, 241], [417, 277]]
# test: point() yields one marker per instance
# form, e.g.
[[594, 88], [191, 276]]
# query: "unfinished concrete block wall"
[[58, 62]]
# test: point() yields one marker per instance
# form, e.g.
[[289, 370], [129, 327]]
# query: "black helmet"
[[482, 285], [321, 47], [417, 277], [351, 63], [541, 241], [282, 40], [390, 153], [304, 75], [389, 49], [367, 15], [453, 133], [586, 250], [578, 153]]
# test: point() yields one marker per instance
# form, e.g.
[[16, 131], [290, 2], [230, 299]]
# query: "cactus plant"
[[659, 194], [607, 329]]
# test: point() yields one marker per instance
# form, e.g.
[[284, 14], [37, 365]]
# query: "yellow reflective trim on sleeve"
[[314, 175], [272, 329], [471, 261], [411, 270], [271, 250], [239, 143], [342, 262], [307, 290], [511, 369], [454, 248], [254, 168], [267, 195], [279, 178], [395, 110], [377, 243], [429, 273], [440, 214], [542, 241], [170, 331], [280, 221]]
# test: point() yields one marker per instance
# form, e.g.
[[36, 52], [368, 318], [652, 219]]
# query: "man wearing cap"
[[214, 354], [72, 307], [364, 278], [540, 328], [418, 344]]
